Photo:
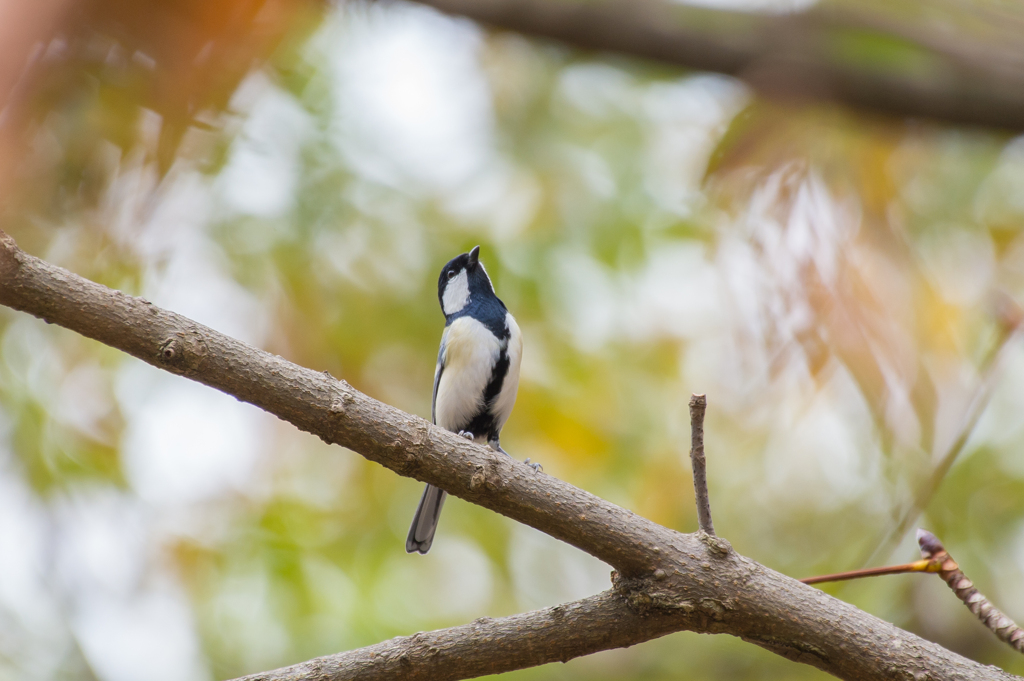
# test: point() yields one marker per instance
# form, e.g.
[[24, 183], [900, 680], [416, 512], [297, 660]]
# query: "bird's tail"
[[424, 523]]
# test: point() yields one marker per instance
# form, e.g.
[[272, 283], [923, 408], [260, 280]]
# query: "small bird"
[[477, 372]]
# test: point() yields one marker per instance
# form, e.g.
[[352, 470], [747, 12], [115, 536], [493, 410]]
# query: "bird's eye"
[[451, 274]]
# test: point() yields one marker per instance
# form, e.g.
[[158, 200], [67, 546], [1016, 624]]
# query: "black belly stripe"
[[485, 423]]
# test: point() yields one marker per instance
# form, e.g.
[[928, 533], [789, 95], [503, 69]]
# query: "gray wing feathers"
[[428, 513], [437, 377], [424, 523]]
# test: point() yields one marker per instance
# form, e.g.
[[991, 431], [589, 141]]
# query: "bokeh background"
[[843, 285]]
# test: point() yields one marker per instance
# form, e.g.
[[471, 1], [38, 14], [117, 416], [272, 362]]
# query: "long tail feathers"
[[424, 523]]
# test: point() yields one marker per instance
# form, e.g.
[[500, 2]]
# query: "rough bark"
[[490, 646], [925, 69], [666, 581]]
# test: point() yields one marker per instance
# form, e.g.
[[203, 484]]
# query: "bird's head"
[[463, 279]]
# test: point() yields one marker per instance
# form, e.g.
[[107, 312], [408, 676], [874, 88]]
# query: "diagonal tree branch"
[[874, 58], [491, 646], [666, 581]]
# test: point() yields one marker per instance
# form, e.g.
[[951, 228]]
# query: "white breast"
[[470, 354], [502, 407]]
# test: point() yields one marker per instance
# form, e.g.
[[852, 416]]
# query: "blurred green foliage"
[[826, 277]]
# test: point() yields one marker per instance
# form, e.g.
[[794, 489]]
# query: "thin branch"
[[1001, 625], [937, 559], [916, 566], [698, 405], [663, 575], [974, 77]]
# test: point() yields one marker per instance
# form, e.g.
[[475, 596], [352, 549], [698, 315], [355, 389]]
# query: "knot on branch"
[[650, 595], [339, 399], [421, 440], [716, 546], [485, 478], [10, 255], [712, 608], [182, 352]]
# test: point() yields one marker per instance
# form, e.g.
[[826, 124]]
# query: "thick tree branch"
[[875, 59], [331, 409], [669, 581], [491, 646]]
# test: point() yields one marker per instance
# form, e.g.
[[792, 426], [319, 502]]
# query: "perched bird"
[[477, 372]]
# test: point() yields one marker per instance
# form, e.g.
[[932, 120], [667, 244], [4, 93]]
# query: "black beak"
[[474, 257]]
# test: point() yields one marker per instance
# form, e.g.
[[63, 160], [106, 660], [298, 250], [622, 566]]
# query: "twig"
[[1000, 625], [698, 405], [916, 566], [937, 559]]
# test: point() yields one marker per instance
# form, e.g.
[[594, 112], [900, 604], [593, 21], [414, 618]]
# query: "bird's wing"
[[441, 356], [501, 406]]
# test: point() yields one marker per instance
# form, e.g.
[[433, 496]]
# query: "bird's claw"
[[535, 466], [466, 434]]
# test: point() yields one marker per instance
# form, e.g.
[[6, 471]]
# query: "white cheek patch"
[[456, 293]]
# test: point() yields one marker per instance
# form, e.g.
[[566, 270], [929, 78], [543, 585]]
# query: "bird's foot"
[[466, 434], [497, 447]]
